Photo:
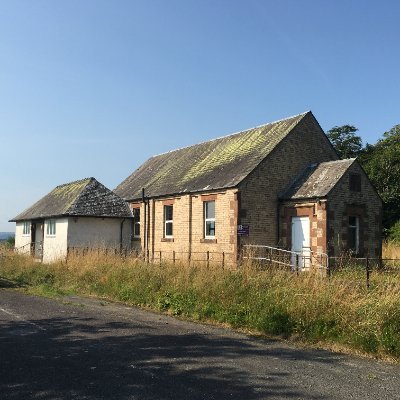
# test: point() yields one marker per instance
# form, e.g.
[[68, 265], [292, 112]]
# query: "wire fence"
[[206, 258], [366, 267], [306, 261], [261, 257]]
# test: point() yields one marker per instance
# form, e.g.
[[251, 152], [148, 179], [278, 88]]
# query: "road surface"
[[78, 348]]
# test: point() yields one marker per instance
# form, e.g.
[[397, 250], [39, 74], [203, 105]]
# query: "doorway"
[[301, 242], [37, 239]]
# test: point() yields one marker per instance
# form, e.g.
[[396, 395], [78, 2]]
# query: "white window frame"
[[356, 226], [51, 227], [168, 221], [26, 228], [208, 219], [135, 222]]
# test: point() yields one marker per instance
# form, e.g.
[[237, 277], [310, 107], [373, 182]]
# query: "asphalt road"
[[79, 348]]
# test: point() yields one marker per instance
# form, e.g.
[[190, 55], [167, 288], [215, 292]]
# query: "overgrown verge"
[[309, 307]]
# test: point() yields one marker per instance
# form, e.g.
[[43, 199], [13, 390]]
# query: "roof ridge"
[[73, 182], [335, 161], [90, 180], [232, 134]]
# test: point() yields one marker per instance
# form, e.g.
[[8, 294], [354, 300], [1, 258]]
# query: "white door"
[[301, 241]]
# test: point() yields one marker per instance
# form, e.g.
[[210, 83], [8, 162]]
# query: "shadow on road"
[[86, 358]]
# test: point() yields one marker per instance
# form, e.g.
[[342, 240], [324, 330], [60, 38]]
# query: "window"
[[168, 221], [27, 228], [136, 222], [51, 227], [355, 182], [354, 234], [209, 219]]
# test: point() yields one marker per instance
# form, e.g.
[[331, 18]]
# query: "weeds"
[[306, 306]]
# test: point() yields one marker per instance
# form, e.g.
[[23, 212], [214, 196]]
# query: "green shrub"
[[394, 232]]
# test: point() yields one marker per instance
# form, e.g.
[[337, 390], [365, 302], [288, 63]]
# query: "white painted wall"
[[55, 247], [98, 232], [76, 232], [22, 240]]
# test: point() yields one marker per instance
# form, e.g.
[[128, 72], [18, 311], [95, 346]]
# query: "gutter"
[[144, 223], [120, 235]]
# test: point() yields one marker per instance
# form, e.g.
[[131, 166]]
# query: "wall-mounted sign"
[[243, 230]]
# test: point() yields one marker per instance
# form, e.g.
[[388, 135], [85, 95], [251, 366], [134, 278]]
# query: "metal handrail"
[[21, 247], [32, 248], [311, 256]]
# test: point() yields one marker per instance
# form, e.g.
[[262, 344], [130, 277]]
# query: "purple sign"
[[243, 230]]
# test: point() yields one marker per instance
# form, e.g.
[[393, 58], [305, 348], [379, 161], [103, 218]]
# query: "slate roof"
[[317, 180], [216, 164], [86, 197]]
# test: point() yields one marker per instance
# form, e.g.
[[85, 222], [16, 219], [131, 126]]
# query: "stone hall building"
[[279, 184]]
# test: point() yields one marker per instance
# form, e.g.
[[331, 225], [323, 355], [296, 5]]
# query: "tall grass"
[[391, 249], [340, 311]]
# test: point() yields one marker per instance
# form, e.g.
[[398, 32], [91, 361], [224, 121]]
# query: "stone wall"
[[259, 192], [366, 204], [188, 239]]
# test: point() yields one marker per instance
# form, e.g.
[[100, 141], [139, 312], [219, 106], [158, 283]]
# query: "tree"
[[382, 164], [345, 141]]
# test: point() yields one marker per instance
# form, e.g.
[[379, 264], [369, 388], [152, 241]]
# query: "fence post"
[[297, 264], [223, 260], [173, 257], [367, 271], [328, 267], [160, 257], [208, 259]]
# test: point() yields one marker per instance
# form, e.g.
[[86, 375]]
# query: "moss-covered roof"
[[317, 180], [216, 164], [86, 197]]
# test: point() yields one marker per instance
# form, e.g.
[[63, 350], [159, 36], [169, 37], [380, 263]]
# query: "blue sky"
[[94, 88]]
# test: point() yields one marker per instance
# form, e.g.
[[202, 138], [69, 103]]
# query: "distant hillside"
[[6, 235]]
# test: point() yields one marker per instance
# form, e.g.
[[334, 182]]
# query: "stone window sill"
[[167, 239], [208, 240]]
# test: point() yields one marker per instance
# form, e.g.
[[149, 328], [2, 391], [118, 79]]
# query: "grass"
[[391, 249], [340, 312]]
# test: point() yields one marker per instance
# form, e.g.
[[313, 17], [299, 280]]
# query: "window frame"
[[51, 227], [356, 228], [208, 219], [26, 228], [136, 221], [168, 222]]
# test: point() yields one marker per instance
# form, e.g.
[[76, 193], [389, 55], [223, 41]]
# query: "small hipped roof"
[[216, 164], [317, 180], [85, 197]]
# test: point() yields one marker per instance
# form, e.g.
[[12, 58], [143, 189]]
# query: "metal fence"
[[206, 258], [307, 260], [365, 265]]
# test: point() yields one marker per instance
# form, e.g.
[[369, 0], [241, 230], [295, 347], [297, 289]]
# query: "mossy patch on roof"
[[68, 193], [216, 164], [317, 180], [86, 197]]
